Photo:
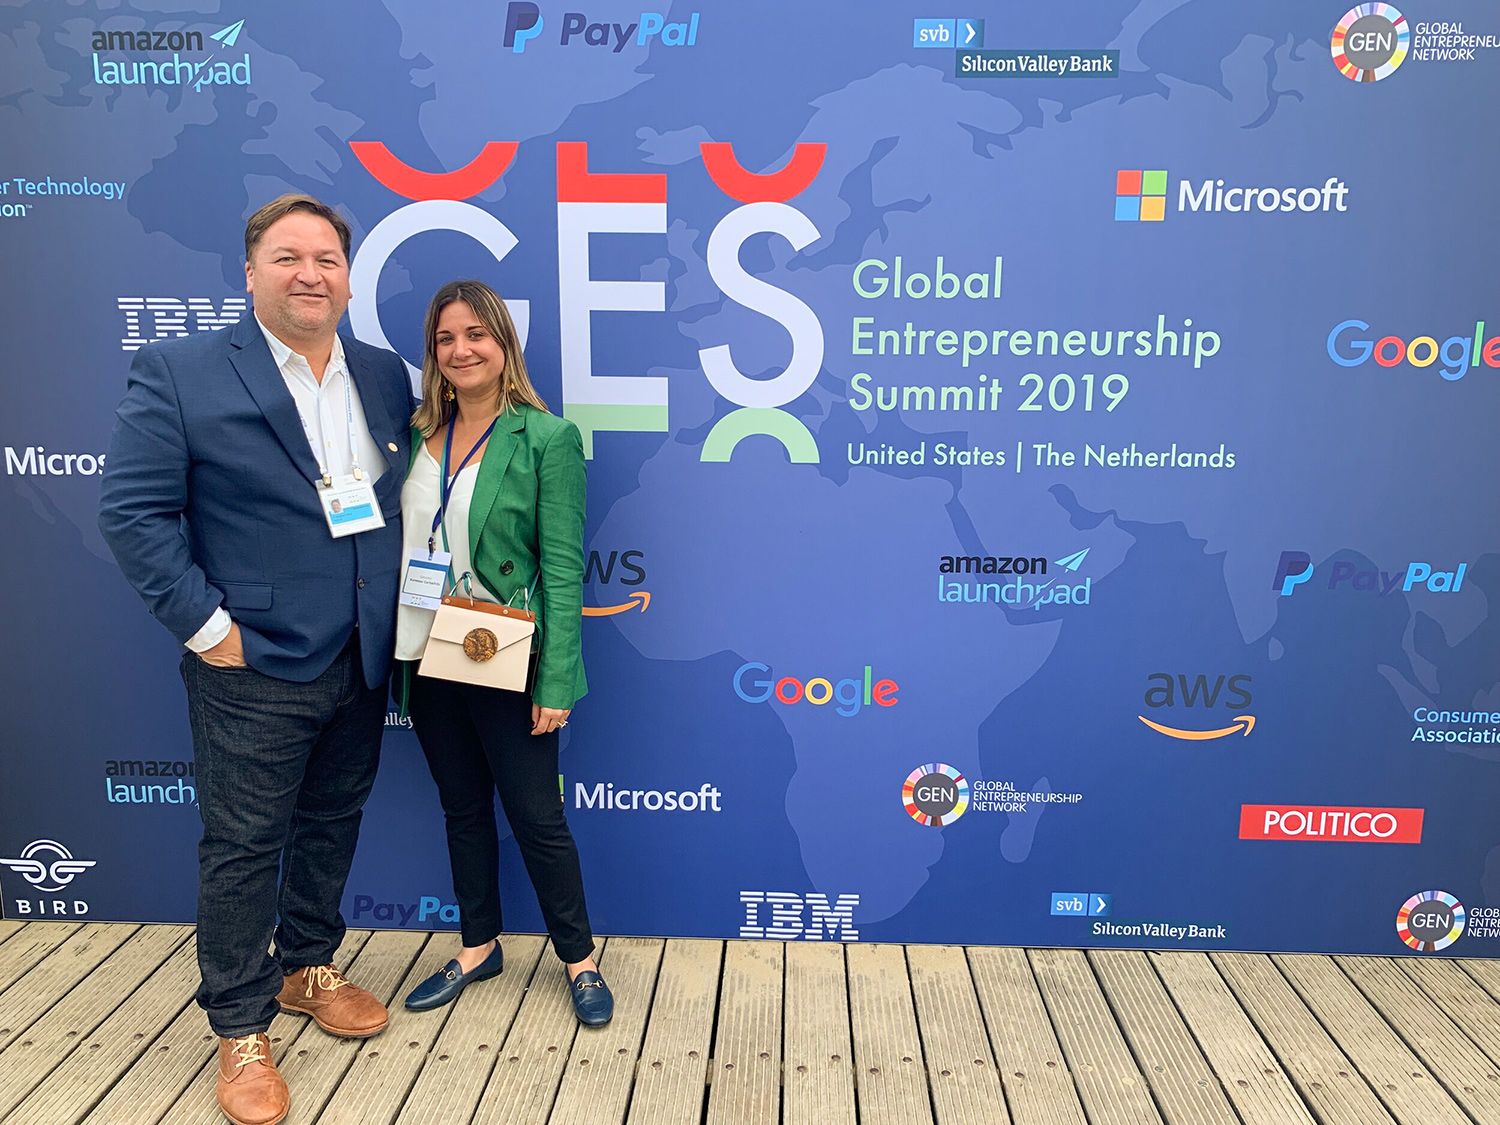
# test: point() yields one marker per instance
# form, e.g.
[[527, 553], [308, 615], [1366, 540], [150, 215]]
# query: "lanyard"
[[353, 437], [449, 481]]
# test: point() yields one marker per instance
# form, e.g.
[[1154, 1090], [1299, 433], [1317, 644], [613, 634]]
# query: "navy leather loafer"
[[445, 985], [592, 1000]]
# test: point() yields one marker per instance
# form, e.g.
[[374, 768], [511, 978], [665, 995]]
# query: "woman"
[[513, 523]]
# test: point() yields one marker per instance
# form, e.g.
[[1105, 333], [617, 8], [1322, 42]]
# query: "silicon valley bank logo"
[[1430, 921], [1017, 593], [524, 22], [49, 867], [1141, 196], [194, 74], [1296, 568], [1168, 692]]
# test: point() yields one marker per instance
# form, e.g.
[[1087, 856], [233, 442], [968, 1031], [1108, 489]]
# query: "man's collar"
[[280, 352]]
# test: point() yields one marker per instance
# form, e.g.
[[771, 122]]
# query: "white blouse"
[[419, 503]]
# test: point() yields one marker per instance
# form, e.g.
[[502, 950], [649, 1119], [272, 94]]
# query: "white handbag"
[[480, 643]]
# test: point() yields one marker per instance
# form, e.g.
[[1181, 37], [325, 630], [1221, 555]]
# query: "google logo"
[[1350, 346], [848, 694]]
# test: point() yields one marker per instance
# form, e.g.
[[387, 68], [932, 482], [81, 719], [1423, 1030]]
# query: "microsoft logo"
[[1140, 196]]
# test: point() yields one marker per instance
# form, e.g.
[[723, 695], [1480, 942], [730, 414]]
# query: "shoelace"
[[326, 977], [248, 1049]]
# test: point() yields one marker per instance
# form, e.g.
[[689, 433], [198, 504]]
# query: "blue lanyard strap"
[[449, 481]]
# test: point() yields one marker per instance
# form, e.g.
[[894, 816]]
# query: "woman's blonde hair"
[[434, 411]]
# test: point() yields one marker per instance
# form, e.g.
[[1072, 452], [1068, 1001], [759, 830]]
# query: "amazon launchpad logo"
[[1198, 707]]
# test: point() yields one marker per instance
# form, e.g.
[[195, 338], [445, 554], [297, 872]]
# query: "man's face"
[[299, 277]]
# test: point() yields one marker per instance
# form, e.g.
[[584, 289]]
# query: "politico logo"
[[1331, 824]]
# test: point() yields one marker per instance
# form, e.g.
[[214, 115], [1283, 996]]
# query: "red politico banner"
[[1331, 823]]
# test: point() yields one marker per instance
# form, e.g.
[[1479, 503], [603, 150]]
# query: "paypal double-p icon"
[[523, 21], [1294, 569]]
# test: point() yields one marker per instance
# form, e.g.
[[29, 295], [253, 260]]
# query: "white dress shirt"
[[325, 421], [420, 496]]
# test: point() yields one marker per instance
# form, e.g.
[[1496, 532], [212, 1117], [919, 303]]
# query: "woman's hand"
[[545, 720]]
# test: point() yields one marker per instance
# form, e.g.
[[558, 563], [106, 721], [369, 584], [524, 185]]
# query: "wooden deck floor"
[[97, 1025]]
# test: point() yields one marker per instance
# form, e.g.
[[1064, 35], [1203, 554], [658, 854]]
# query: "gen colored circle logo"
[[1370, 42], [1430, 921], [935, 794]]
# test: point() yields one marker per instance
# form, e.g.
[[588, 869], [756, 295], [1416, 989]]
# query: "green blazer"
[[526, 520]]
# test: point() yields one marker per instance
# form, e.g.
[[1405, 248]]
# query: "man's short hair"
[[282, 206]]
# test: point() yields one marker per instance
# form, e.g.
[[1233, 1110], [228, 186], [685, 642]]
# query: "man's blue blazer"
[[208, 498]]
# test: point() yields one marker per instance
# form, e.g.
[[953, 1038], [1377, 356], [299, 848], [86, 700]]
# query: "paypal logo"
[[524, 22], [1296, 567]]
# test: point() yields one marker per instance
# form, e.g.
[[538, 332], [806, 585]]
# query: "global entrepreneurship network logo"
[[1370, 42], [1430, 921], [935, 794]]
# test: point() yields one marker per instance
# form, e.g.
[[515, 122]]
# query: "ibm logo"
[[786, 923], [169, 317]]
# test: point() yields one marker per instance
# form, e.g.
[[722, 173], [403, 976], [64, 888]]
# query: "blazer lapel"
[[497, 454], [377, 414], [252, 361]]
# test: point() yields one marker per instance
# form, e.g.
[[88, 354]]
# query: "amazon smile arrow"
[[1243, 724], [637, 598]]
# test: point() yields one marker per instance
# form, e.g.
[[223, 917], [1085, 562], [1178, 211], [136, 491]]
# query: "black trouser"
[[477, 741], [283, 770]]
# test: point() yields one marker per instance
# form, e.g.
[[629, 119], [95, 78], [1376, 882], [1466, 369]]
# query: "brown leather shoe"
[[340, 1008], [251, 1091]]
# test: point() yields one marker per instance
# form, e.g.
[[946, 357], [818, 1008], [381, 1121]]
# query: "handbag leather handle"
[[490, 607]]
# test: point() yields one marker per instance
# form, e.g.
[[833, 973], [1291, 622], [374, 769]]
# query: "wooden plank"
[[818, 1067], [456, 1070], [1405, 1087], [35, 940], [86, 1075], [524, 1082], [9, 928], [386, 1066], [1484, 973], [1472, 1079], [198, 1102], [1033, 1072], [315, 1065], [25, 1063], [746, 1085], [1465, 1002], [596, 1085], [672, 1078], [1112, 1088], [890, 1081], [45, 985], [961, 1070], [1251, 1073], [1329, 1083], [1186, 1088]]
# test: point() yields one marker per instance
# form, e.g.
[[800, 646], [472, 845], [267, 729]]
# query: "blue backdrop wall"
[[1042, 482]]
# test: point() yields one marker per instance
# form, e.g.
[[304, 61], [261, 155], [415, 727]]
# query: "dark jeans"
[[283, 770], [478, 740]]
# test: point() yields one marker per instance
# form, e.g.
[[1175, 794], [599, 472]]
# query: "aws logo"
[[1179, 691], [629, 565]]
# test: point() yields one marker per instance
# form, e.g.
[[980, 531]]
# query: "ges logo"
[[523, 22]]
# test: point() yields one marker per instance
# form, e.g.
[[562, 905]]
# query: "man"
[[252, 497]]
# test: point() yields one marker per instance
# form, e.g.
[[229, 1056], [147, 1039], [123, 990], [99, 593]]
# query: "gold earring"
[[448, 395]]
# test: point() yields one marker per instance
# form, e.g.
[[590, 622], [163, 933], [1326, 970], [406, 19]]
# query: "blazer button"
[[361, 583], [507, 566]]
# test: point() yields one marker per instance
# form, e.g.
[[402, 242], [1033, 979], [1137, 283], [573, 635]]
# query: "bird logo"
[[38, 866]]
